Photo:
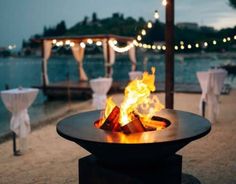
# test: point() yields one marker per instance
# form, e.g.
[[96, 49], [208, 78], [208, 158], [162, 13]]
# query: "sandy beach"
[[52, 159]]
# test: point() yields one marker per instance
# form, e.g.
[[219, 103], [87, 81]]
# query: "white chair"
[[100, 87], [135, 75], [211, 83]]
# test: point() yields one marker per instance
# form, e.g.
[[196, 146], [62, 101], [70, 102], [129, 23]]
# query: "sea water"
[[26, 72]]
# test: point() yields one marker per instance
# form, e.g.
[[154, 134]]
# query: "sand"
[[52, 159]]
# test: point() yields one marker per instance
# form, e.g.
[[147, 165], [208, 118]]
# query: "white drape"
[[132, 57], [78, 53], [47, 47], [112, 57]]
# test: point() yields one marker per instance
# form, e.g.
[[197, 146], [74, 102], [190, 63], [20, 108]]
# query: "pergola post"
[[42, 66], [108, 67], [169, 56]]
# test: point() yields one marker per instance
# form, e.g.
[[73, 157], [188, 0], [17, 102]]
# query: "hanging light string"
[[112, 43], [182, 45], [187, 46]]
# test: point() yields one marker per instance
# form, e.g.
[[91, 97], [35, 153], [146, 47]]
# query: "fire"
[[137, 101], [136, 94]]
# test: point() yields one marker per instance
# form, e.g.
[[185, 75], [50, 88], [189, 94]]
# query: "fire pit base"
[[165, 171]]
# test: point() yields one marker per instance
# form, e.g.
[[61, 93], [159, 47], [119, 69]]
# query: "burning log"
[[137, 124], [112, 121], [133, 126]]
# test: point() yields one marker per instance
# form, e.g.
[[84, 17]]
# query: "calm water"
[[26, 72]]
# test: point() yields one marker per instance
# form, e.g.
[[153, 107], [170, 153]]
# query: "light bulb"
[[156, 15], [164, 2], [143, 32], [149, 25]]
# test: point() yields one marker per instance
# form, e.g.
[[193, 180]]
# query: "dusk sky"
[[20, 19]]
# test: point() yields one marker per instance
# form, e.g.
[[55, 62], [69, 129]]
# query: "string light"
[[72, 44], [98, 43], [120, 49], [139, 38], [149, 25], [89, 41], [54, 41], [163, 47], [135, 42], [82, 44], [143, 32], [164, 2], [60, 43], [156, 14], [183, 45], [67, 42]]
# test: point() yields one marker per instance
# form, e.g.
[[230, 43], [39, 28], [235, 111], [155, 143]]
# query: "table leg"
[[15, 151], [203, 108]]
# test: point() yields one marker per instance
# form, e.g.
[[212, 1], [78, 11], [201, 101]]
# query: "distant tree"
[[94, 17], [115, 15], [24, 44], [122, 16], [141, 20], [232, 3], [85, 21], [60, 28]]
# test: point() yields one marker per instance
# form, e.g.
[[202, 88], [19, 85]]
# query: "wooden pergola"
[[84, 38], [61, 88]]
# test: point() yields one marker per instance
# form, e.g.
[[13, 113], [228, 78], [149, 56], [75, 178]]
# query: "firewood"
[[133, 126], [112, 121]]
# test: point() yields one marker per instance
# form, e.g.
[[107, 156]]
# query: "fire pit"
[[117, 149], [136, 142]]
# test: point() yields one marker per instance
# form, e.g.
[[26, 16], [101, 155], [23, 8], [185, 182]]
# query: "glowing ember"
[[137, 103]]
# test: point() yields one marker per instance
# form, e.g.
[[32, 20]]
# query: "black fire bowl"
[[151, 146]]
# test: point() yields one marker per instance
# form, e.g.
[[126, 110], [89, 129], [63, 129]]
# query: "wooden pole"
[[42, 66], [108, 68], [169, 56]]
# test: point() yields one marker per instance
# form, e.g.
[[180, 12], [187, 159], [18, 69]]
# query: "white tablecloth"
[[100, 87], [211, 83], [17, 101]]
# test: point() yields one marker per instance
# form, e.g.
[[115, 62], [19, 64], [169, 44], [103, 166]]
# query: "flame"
[[137, 100], [136, 94], [109, 107]]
